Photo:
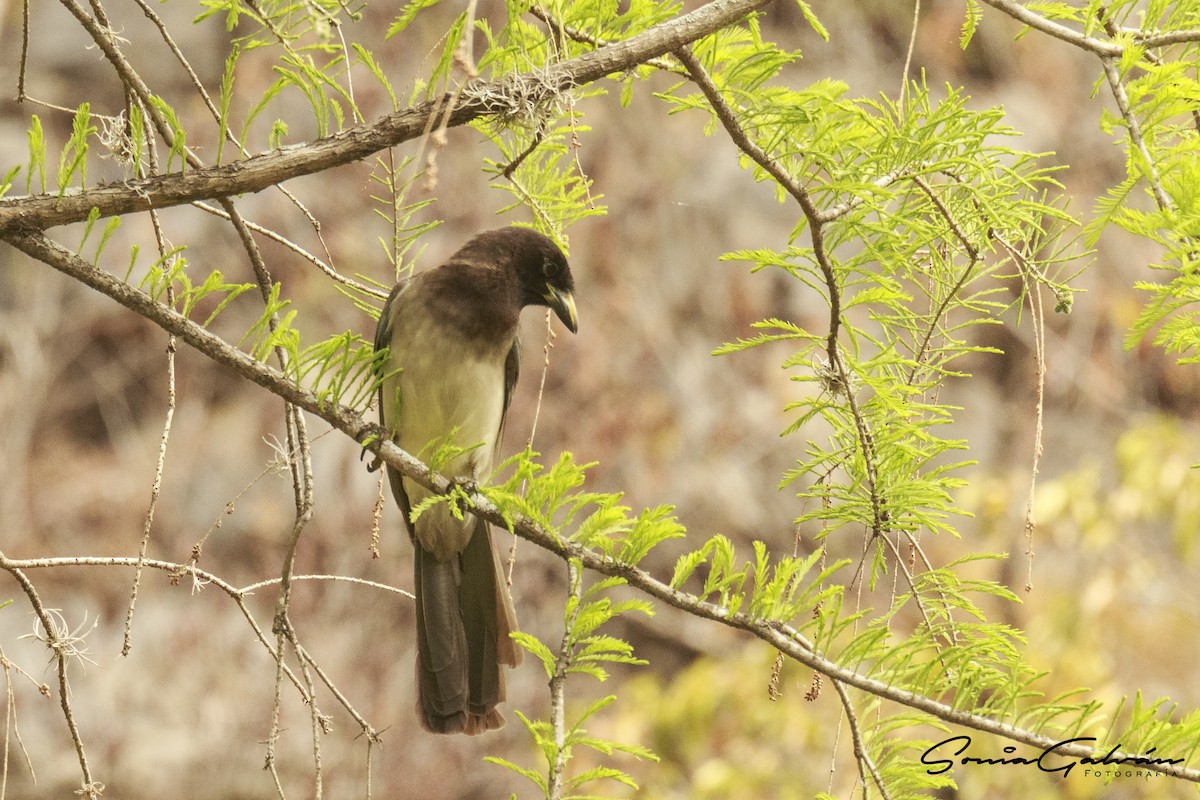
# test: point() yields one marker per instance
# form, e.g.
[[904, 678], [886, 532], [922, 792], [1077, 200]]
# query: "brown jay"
[[453, 358]]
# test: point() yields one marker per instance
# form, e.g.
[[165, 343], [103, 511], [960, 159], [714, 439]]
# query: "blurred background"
[[83, 399]]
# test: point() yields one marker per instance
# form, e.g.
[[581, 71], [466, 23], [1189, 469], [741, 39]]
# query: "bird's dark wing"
[[383, 338], [512, 370], [383, 328]]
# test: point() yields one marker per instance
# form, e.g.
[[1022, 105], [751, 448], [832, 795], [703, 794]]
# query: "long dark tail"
[[464, 617]]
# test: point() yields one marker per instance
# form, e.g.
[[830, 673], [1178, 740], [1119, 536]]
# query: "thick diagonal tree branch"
[[478, 99], [784, 638]]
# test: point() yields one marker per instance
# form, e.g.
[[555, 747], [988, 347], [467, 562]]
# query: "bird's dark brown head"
[[543, 276]]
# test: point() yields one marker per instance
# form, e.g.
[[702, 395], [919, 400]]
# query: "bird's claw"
[[465, 485], [377, 461]]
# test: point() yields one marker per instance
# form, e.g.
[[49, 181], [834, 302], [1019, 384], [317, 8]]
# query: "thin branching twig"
[[160, 461], [862, 756], [556, 779], [61, 654]]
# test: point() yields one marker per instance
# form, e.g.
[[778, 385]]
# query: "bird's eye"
[[548, 267]]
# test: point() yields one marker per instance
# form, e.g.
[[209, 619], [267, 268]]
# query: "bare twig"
[[299, 462], [312, 258], [90, 787], [562, 30], [1056, 29], [862, 756], [1033, 295], [537, 412], [165, 33], [973, 259], [510, 169], [11, 730], [1115, 84], [238, 594], [155, 488], [21, 96], [160, 462], [908, 55], [1150, 39], [1144, 37], [883, 181], [177, 569], [556, 780]]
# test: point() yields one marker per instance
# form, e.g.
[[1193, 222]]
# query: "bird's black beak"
[[563, 304]]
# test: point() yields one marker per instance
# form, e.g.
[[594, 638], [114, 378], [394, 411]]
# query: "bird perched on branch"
[[451, 335]]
